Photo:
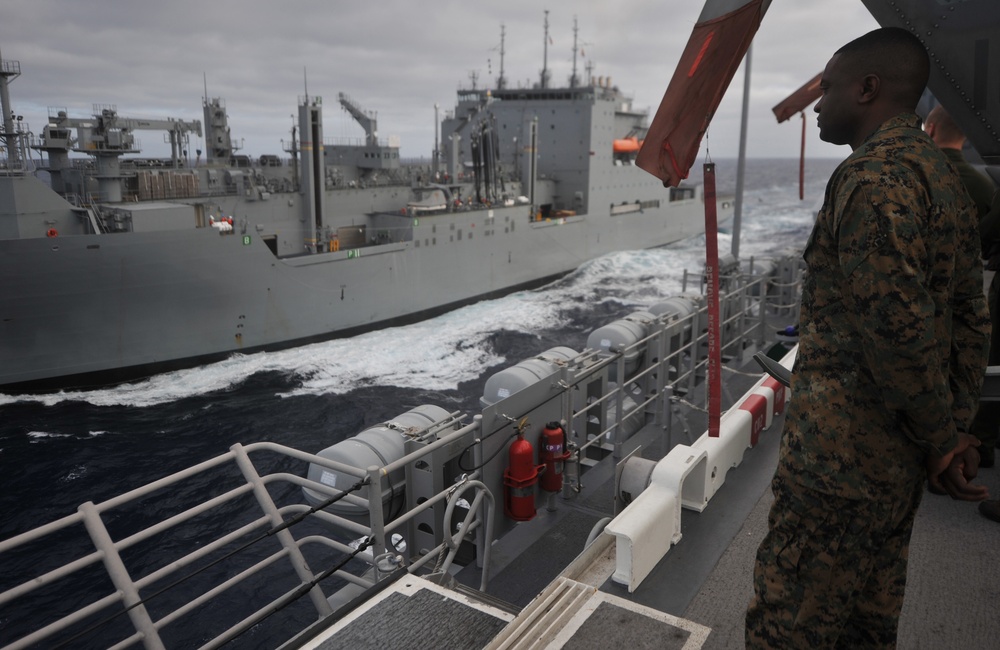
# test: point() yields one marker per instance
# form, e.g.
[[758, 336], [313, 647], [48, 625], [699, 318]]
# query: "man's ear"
[[870, 86]]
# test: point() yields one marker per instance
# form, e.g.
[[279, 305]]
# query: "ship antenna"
[[9, 70], [572, 77], [545, 53], [305, 83], [501, 80]]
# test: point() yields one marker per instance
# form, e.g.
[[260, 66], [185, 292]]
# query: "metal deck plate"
[[414, 613], [630, 629], [570, 615]]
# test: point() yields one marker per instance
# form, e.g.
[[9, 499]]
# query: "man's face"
[[838, 110]]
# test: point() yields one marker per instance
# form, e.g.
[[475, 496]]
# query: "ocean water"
[[59, 450]]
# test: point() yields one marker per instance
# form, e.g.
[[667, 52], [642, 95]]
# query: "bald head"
[[943, 130], [896, 57]]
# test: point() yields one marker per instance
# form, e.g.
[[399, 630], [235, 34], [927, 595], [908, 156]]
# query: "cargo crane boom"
[[367, 120]]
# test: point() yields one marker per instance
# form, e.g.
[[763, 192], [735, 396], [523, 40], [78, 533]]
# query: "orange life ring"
[[52, 232]]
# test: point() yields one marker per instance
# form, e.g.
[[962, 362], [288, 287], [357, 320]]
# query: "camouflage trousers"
[[831, 571]]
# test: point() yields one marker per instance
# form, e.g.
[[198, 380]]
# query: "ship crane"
[[177, 131], [366, 119], [107, 136]]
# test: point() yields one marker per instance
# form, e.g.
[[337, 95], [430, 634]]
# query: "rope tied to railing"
[[313, 510], [304, 588], [299, 591], [694, 407]]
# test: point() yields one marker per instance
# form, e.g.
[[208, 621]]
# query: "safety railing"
[[154, 611], [15, 158], [681, 360]]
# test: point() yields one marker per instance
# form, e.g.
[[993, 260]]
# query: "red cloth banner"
[[712, 295], [799, 100], [707, 65]]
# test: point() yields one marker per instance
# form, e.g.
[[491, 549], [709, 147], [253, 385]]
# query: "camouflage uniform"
[[986, 424], [892, 351]]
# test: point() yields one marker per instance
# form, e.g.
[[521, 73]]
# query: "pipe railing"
[[741, 321], [274, 522]]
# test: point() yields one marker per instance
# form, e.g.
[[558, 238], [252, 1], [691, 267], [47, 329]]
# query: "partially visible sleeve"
[[989, 226], [970, 325]]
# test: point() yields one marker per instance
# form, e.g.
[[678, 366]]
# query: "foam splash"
[[39, 436]]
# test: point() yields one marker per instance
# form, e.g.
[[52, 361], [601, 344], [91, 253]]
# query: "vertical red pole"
[[802, 159], [712, 293]]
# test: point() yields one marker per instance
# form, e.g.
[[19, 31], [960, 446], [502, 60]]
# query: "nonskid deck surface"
[[953, 580]]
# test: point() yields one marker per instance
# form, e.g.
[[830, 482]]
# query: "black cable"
[[303, 589], [487, 461]]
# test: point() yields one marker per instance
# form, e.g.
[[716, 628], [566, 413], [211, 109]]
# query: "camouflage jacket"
[[894, 327]]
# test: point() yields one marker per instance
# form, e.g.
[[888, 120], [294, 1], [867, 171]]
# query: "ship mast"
[[501, 80], [545, 54], [741, 161], [9, 70], [573, 81]]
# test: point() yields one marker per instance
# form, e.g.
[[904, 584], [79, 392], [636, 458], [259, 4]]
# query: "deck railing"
[[137, 595], [746, 300]]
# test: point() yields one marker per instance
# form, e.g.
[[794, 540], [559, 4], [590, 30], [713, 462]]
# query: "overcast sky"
[[398, 58]]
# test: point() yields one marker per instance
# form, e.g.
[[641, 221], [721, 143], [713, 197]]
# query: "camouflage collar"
[[901, 121]]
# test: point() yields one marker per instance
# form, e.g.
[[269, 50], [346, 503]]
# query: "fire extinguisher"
[[552, 454], [520, 478]]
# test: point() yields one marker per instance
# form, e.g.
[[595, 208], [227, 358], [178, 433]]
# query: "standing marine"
[[893, 340]]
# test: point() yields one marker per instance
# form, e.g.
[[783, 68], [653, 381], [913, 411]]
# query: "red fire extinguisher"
[[520, 478], [552, 454]]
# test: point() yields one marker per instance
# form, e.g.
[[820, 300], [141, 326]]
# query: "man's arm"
[[970, 323]]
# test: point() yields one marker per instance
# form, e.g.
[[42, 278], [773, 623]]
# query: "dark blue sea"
[[59, 450]]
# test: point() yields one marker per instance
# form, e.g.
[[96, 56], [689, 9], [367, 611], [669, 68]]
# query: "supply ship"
[[123, 266]]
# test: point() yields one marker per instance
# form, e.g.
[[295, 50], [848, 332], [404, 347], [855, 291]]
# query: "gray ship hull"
[[86, 308]]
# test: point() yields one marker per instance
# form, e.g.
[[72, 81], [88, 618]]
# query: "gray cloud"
[[395, 57]]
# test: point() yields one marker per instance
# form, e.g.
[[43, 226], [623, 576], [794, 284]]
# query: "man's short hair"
[[944, 124], [898, 58]]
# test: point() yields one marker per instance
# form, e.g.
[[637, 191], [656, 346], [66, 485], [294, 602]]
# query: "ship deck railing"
[[681, 369], [21, 163], [138, 591]]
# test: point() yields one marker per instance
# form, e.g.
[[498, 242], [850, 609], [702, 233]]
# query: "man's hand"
[[951, 473]]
